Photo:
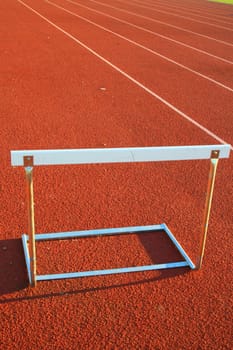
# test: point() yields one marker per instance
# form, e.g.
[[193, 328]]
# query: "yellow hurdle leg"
[[28, 166], [209, 196]]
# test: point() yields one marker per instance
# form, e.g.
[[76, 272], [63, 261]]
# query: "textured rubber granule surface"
[[55, 94]]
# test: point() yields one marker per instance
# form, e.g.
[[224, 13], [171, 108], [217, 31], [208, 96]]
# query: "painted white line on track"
[[152, 33], [141, 46], [202, 9], [164, 23], [182, 10], [177, 15], [136, 82]]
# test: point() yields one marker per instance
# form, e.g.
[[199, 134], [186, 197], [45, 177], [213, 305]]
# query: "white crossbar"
[[118, 155]]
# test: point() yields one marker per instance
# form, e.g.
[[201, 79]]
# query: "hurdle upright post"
[[209, 195], [28, 166]]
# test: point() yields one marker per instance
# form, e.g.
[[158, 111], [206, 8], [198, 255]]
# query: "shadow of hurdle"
[[13, 274], [159, 247]]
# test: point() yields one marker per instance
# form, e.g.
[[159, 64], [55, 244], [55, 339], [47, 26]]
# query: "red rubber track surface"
[[56, 94]]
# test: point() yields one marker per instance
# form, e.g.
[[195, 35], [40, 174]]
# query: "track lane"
[[214, 34], [189, 39], [207, 7], [191, 12], [33, 77], [199, 63], [172, 94], [177, 15]]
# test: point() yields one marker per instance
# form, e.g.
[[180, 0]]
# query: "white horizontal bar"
[[118, 155], [111, 271], [97, 232]]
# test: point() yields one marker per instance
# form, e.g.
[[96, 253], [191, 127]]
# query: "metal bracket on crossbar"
[[29, 159]]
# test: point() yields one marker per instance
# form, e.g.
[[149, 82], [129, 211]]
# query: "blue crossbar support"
[[187, 262]]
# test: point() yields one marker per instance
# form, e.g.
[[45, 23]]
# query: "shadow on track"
[[164, 275], [13, 274]]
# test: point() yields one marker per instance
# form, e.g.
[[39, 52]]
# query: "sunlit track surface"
[[171, 13], [80, 74], [166, 93], [183, 26], [190, 39], [139, 45], [188, 11]]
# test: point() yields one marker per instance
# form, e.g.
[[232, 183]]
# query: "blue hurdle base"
[[187, 262]]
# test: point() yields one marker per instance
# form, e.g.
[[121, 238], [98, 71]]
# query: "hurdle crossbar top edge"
[[118, 155]]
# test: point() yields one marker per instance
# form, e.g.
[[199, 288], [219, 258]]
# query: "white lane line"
[[136, 82], [141, 46], [168, 5], [177, 15], [197, 9], [152, 33], [163, 23]]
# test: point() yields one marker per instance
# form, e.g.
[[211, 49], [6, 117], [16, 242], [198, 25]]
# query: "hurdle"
[[32, 158]]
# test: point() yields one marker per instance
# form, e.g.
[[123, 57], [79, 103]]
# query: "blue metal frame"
[[187, 262]]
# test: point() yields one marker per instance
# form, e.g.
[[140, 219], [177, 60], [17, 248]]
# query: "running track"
[[116, 73]]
